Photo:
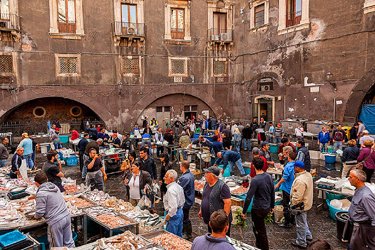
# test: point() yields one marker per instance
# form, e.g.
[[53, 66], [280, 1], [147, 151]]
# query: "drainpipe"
[[334, 108]]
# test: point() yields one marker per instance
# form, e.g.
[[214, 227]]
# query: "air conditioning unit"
[[215, 38], [265, 88], [226, 37]]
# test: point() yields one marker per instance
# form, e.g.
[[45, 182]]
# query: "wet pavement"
[[322, 227]]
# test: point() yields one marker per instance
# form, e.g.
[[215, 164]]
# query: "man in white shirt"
[[173, 201]]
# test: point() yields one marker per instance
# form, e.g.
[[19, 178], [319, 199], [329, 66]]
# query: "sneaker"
[[297, 245], [285, 225]]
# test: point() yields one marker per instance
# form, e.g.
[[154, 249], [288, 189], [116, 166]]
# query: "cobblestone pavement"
[[322, 227]]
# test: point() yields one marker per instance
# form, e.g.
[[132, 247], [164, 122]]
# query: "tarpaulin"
[[367, 116]]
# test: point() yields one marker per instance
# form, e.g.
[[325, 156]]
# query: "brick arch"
[[357, 95], [146, 101], [10, 103], [252, 83]]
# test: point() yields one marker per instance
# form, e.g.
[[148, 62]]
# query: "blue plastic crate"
[[64, 138], [71, 160]]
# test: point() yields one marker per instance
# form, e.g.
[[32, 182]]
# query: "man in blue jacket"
[[186, 181], [323, 139], [231, 157]]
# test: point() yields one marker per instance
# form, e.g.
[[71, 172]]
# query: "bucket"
[[341, 219], [330, 158]]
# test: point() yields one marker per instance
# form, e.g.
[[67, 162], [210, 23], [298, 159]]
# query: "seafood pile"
[[123, 241], [118, 205], [107, 217], [171, 242], [239, 190], [73, 188], [97, 196], [147, 221], [78, 202]]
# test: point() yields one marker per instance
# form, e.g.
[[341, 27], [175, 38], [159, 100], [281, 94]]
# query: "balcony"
[[220, 35], [9, 22], [133, 30]]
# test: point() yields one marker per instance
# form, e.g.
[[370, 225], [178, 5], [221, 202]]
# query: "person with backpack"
[[339, 136]]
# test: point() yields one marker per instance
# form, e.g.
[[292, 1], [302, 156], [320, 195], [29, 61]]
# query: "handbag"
[[361, 164]]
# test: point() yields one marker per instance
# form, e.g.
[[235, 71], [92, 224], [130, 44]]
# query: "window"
[[67, 16], [161, 109], [4, 9], [220, 67], [178, 67], [68, 65], [66, 19], [130, 65], [259, 15], [177, 23], [293, 12], [129, 18], [6, 64], [293, 15], [220, 23]]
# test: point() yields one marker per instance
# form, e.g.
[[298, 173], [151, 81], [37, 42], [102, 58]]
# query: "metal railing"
[[129, 29], [220, 35], [9, 21]]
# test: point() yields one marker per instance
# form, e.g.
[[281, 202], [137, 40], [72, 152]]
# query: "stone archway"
[[358, 93], [146, 101], [13, 101]]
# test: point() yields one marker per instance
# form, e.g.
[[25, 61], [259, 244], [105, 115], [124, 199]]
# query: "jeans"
[[302, 228], [323, 147], [187, 228], [29, 160], [277, 139], [239, 166], [174, 225], [3, 163], [337, 145], [259, 228], [247, 144], [237, 145]]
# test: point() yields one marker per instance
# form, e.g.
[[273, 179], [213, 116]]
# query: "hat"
[[263, 143], [214, 170], [299, 164], [256, 151]]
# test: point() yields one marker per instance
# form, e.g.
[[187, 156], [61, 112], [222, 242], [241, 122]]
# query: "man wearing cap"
[[285, 185], [265, 151], [27, 145], [301, 200], [232, 158], [362, 212], [256, 154], [261, 188], [216, 196]]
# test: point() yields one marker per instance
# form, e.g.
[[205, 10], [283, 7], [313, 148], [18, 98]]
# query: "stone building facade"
[[115, 61]]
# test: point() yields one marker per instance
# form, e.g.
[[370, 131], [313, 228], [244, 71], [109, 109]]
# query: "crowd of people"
[[140, 175]]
